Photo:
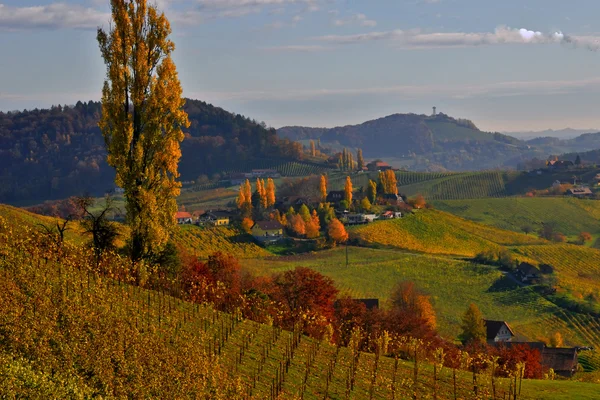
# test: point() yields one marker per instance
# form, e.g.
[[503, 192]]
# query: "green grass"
[[79, 337], [436, 232], [571, 216]]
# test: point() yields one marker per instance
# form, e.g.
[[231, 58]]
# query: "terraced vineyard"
[[204, 241], [577, 267], [460, 186], [285, 168], [118, 340]]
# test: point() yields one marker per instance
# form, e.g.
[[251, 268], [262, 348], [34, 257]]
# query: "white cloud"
[[502, 35], [356, 19], [51, 16], [296, 48]]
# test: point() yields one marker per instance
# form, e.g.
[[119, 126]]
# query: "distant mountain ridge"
[[455, 144], [440, 142], [567, 133]]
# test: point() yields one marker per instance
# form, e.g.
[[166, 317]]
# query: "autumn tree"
[[270, 192], [304, 212], [365, 204], [584, 237], [142, 118], [313, 226], [244, 199], [323, 188], [337, 231], [418, 202], [247, 224], [348, 190], [473, 326], [313, 150], [390, 182], [360, 160], [326, 213], [412, 303], [372, 191], [296, 224], [556, 340]]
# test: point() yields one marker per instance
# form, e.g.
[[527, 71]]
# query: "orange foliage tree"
[[270, 192], [337, 231], [348, 190], [323, 188], [247, 224]]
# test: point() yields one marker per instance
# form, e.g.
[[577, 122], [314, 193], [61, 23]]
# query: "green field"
[[81, 335], [570, 216], [436, 232]]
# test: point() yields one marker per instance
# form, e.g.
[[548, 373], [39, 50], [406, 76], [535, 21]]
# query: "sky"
[[509, 65]]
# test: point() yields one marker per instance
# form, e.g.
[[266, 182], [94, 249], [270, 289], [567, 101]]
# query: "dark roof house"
[[580, 192], [562, 360], [335, 196], [498, 331], [527, 272]]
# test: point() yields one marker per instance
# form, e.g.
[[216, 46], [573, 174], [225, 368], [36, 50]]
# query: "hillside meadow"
[[570, 216], [70, 331]]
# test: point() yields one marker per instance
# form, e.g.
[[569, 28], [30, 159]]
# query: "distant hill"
[[422, 141], [567, 133], [58, 152]]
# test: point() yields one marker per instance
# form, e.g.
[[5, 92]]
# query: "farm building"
[[217, 218], [335, 196], [580, 192], [498, 331], [267, 232], [184, 217], [562, 360], [378, 166], [560, 164], [391, 215], [370, 304], [527, 273], [392, 199]]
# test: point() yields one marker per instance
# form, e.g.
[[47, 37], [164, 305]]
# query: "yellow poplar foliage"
[[270, 192], [313, 150], [348, 190], [392, 183], [323, 188], [313, 226], [297, 225], [142, 118], [337, 231], [360, 160], [425, 311], [262, 192], [248, 192], [241, 199]]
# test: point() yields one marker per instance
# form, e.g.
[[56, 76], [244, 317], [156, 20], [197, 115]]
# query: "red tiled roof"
[[182, 214]]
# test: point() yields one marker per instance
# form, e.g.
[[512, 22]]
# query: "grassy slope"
[[203, 242], [452, 285], [436, 232], [571, 216], [103, 338]]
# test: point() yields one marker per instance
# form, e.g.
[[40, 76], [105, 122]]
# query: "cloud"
[[51, 16], [358, 19], [502, 35], [454, 91], [297, 48]]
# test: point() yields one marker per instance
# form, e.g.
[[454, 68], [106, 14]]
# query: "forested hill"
[[454, 144], [58, 152]]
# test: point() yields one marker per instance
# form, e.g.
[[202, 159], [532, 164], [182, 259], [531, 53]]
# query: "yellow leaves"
[[348, 190], [142, 119]]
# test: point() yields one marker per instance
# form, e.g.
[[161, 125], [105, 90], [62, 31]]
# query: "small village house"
[[378, 166], [335, 196], [267, 232], [563, 360], [527, 273], [560, 165], [184, 217], [391, 215], [498, 331], [216, 218], [580, 192], [391, 199]]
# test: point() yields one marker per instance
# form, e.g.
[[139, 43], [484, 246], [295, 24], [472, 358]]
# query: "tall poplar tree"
[[360, 160], [142, 118], [270, 192], [348, 190], [323, 188]]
